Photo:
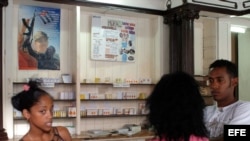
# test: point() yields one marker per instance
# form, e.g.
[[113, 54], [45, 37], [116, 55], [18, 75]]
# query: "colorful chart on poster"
[[112, 39]]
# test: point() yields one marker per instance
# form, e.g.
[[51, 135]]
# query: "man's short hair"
[[231, 68]]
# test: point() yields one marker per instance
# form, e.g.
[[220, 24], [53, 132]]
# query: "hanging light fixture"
[[238, 28], [168, 4]]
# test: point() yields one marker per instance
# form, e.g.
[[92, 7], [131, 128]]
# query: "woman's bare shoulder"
[[64, 133]]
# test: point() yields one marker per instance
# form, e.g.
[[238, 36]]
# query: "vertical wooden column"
[[181, 24], [3, 135], [175, 50]]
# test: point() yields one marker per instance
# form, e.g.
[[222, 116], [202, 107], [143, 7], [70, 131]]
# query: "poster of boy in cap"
[[39, 38]]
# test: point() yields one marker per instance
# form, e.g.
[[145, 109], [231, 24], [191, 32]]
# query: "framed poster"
[[38, 38], [112, 39]]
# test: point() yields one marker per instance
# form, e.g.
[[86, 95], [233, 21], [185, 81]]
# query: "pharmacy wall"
[[98, 76], [75, 41]]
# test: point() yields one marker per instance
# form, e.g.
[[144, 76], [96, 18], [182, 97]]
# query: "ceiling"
[[146, 4], [162, 4], [159, 7]]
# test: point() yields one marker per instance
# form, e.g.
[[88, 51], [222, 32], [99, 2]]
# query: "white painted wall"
[[224, 50], [205, 44], [244, 65], [243, 60], [198, 48], [147, 46], [11, 72]]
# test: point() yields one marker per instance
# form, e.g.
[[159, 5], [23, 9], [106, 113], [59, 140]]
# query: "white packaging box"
[[67, 78], [71, 111], [119, 95], [93, 96], [84, 95], [62, 95], [101, 96], [92, 112], [130, 95], [108, 111]]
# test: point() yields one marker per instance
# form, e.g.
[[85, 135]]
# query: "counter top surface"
[[144, 134]]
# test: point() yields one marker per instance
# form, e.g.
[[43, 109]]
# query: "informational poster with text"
[[113, 39]]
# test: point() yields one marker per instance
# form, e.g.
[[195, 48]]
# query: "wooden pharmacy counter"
[[144, 134]]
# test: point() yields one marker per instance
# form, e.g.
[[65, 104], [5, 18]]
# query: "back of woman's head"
[[176, 107], [28, 97]]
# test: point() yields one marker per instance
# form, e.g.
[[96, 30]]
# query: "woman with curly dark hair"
[[176, 109]]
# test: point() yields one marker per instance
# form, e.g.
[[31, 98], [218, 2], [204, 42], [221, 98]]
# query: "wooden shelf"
[[65, 100], [61, 83], [113, 99], [22, 118], [105, 116], [141, 84]]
